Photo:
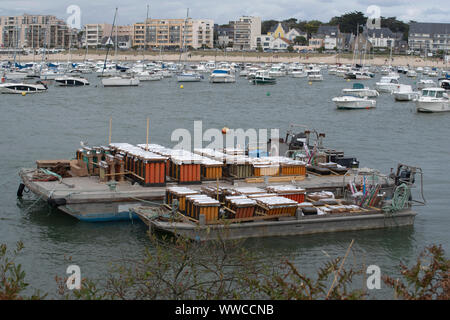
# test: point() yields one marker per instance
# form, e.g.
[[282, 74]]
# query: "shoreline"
[[233, 57]]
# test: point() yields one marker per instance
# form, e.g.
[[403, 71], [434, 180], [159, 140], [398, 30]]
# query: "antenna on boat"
[[145, 36]]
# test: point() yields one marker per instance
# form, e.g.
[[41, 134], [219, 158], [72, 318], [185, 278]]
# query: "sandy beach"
[[234, 57]]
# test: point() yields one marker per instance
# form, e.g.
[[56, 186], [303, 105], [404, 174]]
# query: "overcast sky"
[[131, 11]]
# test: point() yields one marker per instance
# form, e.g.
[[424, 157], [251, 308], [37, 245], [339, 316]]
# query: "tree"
[[301, 40], [290, 48], [348, 22], [267, 25]]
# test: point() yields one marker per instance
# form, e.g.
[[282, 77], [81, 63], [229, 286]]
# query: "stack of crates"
[[273, 206], [147, 168], [289, 191], [185, 169], [264, 167], [239, 167], [197, 205], [291, 167], [242, 206], [180, 194], [211, 169]]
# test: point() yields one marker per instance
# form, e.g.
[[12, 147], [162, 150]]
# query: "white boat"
[[20, 88], [425, 83], [189, 77], [411, 73], [433, 100], [222, 76], [120, 82], [405, 93], [387, 84], [276, 71], [147, 76], [314, 75], [359, 90], [16, 75], [68, 81], [50, 75], [351, 102]]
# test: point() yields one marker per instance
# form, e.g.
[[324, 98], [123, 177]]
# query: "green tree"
[[301, 40], [348, 22], [290, 48]]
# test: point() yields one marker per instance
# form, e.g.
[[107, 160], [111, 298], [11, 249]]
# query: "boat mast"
[[184, 40], [145, 37], [107, 51]]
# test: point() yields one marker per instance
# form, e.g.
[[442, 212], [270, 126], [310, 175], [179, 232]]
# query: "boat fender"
[[56, 202], [20, 190]]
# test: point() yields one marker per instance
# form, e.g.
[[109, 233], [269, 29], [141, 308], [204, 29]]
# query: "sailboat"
[[187, 76], [117, 81]]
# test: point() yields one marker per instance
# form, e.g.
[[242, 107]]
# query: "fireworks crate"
[[247, 191], [180, 194], [289, 191], [293, 168], [261, 170], [227, 200], [211, 169], [242, 207], [215, 191], [208, 207], [202, 204], [189, 203], [274, 206]]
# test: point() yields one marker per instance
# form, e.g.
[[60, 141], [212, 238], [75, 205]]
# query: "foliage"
[[12, 277], [428, 279], [290, 48], [348, 22], [300, 40]]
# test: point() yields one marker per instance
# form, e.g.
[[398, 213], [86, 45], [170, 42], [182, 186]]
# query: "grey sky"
[[130, 11]]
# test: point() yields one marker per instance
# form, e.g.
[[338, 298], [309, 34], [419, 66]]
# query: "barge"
[[124, 182]]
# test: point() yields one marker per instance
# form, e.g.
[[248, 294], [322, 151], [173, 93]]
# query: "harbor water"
[[52, 124]]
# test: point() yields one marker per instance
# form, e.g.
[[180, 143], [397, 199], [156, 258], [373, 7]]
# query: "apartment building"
[[36, 31], [95, 33], [174, 33], [246, 32], [429, 37]]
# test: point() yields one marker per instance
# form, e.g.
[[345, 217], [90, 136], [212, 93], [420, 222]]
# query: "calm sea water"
[[51, 126]]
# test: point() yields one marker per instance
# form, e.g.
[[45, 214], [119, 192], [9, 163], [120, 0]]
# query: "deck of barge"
[[79, 190]]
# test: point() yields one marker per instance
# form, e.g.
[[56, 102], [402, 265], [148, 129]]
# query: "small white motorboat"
[[425, 83], [314, 75], [189, 77], [405, 93], [433, 100], [68, 81], [387, 84], [21, 88], [353, 103], [359, 90], [222, 76], [120, 82], [147, 76]]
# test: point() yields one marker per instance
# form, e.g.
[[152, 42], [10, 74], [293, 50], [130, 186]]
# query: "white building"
[[246, 31], [381, 38], [202, 33], [270, 43], [294, 33]]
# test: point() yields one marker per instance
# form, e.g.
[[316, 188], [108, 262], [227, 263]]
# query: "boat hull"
[[287, 227], [431, 107]]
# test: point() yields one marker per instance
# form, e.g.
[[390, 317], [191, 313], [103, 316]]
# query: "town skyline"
[[222, 13]]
